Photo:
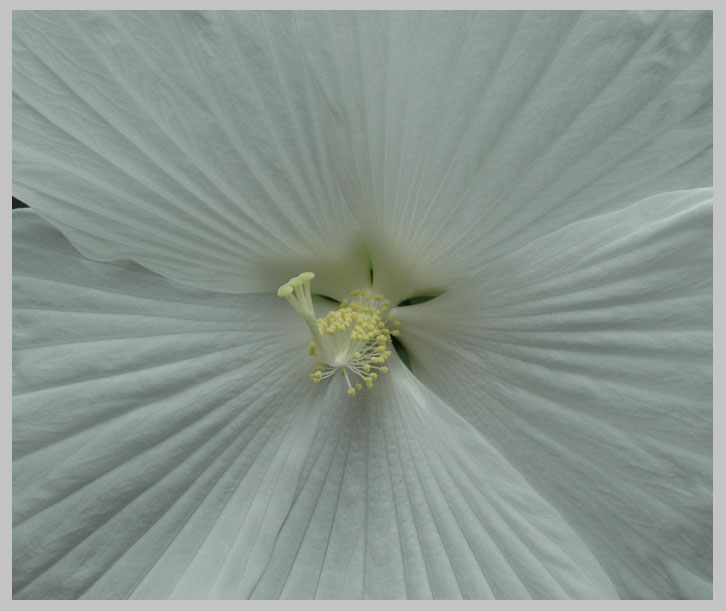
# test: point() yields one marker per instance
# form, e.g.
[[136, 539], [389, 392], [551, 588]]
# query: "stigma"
[[352, 341]]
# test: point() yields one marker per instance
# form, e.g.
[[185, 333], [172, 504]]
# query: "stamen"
[[352, 340]]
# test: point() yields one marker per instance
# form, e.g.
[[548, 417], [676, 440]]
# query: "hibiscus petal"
[[141, 407], [160, 451], [585, 357], [463, 135], [218, 148], [187, 142], [402, 498]]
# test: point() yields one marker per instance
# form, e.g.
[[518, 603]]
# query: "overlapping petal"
[[168, 444], [463, 135], [585, 357]]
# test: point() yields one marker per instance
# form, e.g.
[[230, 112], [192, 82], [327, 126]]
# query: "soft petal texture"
[[139, 407], [404, 499], [463, 135], [222, 149], [187, 142], [168, 444], [585, 357]]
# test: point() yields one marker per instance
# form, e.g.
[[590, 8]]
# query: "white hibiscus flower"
[[544, 176]]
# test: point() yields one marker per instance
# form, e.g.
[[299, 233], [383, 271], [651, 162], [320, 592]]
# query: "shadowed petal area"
[[585, 357], [461, 135], [188, 142], [167, 443]]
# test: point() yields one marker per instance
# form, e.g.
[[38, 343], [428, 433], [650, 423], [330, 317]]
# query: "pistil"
[[352, 340]]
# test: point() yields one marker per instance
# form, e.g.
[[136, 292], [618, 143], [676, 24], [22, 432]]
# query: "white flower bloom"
[[545, 175]]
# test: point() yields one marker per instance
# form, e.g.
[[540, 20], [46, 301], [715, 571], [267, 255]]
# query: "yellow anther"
[[348, 340]]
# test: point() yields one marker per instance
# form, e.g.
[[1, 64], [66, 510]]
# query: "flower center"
[[352, 340]]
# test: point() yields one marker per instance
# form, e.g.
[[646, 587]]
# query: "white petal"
[[188, 142], [586, 358], [462, 135], [403, 499], [141, 408]]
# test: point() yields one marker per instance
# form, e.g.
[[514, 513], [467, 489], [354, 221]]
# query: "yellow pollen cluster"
[[352, 340]]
